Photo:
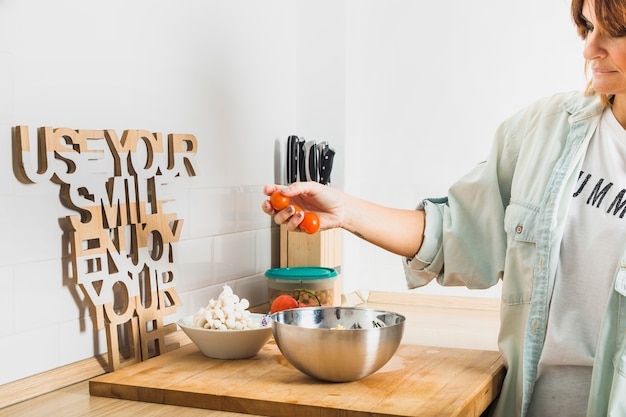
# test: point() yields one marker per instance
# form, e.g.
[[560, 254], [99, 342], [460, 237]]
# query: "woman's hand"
[[396, 230], [323, 200]]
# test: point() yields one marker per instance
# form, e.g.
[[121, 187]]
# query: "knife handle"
[[312, 161], [292, 159], [326, 165], [301, 159]]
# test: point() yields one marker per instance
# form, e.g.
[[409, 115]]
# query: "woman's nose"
[[594, 46]]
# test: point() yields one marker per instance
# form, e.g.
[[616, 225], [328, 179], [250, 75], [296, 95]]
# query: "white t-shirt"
[[594, 236]]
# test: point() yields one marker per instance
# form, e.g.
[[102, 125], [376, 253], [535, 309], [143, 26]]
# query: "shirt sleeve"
[[464, 241], [423, 267]]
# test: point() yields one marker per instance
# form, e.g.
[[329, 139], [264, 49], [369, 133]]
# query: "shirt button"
[[519, 229]]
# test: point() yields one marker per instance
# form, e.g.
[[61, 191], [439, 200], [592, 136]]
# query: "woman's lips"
[[601, 72]]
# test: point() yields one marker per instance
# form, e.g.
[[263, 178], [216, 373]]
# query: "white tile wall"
[[25, 353], [227, 76], [80, 340], [7, 301], [48, 313], [31, 225], [234, 256], [212, 212], [248, 205], [43, 298], [194, 262], [7, 181], [6, 87]]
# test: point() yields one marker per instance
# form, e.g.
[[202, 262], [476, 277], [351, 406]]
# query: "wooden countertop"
[[418, 381], [431, 320]]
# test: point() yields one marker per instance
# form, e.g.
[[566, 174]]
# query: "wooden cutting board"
[[418, 381]]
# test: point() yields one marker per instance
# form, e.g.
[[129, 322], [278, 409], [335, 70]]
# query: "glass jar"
[[310, 285]]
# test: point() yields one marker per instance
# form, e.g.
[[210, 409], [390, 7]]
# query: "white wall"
[[223, 71], [408, 92], [428, 83]]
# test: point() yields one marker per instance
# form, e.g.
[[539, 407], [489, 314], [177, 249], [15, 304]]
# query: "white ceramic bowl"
[[229, 344]]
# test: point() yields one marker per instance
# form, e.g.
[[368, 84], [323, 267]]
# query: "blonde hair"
[[611, 16]]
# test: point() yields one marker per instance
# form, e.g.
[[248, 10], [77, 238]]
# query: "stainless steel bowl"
[[337, 344]]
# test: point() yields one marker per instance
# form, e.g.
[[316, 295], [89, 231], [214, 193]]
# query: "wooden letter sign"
[[122, 241]]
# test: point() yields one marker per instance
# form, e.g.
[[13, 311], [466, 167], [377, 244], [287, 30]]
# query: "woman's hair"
[[610, 16]]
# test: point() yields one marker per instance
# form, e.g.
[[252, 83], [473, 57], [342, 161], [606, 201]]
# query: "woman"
[[545, 214]]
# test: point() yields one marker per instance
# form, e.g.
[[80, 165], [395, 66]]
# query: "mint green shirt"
[[504, 221]]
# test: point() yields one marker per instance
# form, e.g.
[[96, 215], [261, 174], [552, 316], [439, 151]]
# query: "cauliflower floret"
[[228, 312]]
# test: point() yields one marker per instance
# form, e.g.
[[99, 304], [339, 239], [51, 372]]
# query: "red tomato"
[[279, 201], [283, 302], [310, 223]]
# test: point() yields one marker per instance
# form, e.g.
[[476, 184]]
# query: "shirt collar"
[[582, 107]]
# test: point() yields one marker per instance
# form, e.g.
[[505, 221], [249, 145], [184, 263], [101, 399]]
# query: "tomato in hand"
[[283, 302], [279, 201], [311, 223]]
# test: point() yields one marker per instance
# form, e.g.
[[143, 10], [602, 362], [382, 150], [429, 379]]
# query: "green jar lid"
[[300, 273]]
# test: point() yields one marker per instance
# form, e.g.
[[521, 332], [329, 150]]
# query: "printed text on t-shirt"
[[596, 192]]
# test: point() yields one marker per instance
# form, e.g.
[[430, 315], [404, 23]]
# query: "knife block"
[[319, 249]]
